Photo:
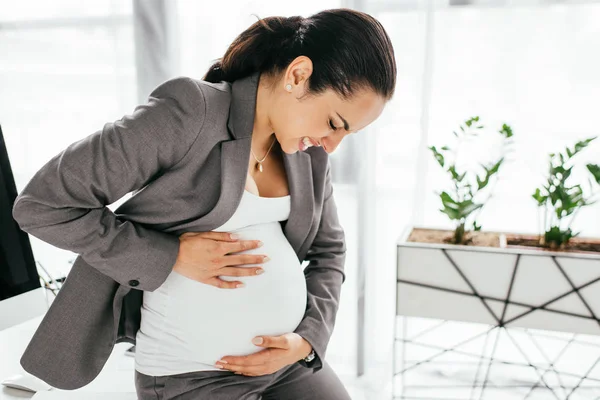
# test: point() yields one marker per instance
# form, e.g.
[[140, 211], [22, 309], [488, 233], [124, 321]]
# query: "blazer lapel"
[[300, 182], [234, 168]]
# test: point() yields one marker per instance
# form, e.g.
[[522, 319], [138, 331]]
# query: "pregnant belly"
[[203, 323]]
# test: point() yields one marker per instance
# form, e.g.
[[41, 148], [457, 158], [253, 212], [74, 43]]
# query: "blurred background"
[[67, 67]]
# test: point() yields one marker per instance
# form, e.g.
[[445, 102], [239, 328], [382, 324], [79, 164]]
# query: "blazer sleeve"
[[324, 277], [65, 203]]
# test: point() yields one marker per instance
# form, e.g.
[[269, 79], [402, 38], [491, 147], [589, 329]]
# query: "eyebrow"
[[346, 126]]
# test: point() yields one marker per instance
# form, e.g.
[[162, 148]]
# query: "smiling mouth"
[[307, 142]]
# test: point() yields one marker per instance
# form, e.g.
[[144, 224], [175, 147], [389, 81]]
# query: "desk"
[[116, 376]]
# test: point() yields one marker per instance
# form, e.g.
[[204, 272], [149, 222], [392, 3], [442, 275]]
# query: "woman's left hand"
[[279, 351]]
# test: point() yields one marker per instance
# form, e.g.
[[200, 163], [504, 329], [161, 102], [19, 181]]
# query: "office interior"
[[410, 325]]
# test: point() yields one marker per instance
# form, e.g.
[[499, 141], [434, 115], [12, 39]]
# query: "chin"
[[290, 152]]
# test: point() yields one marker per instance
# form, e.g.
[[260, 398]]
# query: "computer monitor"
[[18, 272]]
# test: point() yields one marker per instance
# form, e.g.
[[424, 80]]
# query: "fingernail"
[[239, 285], [258, 340], [259, 271], [267, 258], [260, 243], [223, 361], [219, 366], [234, 236]]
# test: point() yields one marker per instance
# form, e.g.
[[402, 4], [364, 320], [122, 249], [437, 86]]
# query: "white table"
[[116, 376]]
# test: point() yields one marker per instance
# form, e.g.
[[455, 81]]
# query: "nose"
[[330, 144]]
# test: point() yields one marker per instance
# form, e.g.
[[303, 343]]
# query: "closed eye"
[[332, 126]]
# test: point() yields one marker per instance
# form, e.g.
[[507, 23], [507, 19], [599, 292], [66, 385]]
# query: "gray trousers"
[[293, 382]]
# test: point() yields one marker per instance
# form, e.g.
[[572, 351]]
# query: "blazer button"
[[134, 282]]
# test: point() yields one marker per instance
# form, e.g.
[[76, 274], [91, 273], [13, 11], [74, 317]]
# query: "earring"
[[288, 87]]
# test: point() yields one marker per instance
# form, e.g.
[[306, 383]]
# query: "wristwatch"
[[309, 357]]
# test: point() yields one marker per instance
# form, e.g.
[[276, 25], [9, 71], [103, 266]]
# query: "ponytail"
[[260, 48], [349, 50]]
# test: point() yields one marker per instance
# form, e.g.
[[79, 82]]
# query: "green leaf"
[[506, 131], [438, 156], [595, 171], [481, 183], [450, 206], [496, 166], [539, 198], [452, 214], [556, 237], [467, 207], [583, 144], [455, 175], [448, 200]]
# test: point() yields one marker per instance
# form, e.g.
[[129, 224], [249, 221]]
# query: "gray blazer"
[[185, 155]]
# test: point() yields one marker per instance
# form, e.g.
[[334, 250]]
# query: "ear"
[[298, 72]]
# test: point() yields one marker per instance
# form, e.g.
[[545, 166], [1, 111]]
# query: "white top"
[[188, 325]]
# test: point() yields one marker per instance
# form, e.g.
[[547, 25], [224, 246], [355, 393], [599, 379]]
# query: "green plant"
[[470, 189], [559, 200]]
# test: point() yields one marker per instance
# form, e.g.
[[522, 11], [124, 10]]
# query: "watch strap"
[[310, 356]]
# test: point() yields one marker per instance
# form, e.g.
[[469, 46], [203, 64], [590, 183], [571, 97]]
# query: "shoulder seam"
[[201, 126]]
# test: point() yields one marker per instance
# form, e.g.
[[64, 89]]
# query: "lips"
[[303, 145]]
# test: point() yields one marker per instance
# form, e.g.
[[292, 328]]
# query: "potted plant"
[[560, 201], [472, 187], [549, 281]]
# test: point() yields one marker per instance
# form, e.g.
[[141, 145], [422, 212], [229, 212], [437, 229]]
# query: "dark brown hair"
[[349, 50]]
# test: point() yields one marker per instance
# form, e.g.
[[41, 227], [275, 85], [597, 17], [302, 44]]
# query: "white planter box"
[[502, 288], [510, 287]]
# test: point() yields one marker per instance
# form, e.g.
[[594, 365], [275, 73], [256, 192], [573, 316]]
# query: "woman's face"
[[326, 119]]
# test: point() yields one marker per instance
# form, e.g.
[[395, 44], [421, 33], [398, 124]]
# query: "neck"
[[262, 132]]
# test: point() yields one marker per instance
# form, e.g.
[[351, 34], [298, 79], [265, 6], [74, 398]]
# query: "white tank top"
[[187, 325]]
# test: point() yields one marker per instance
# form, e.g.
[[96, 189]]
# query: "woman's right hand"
[[203, 256]]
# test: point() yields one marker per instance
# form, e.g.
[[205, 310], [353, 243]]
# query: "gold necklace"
[[259, 166]]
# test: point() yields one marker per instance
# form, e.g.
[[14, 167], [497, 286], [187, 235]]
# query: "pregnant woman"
[[173, 337], [244, 151]]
